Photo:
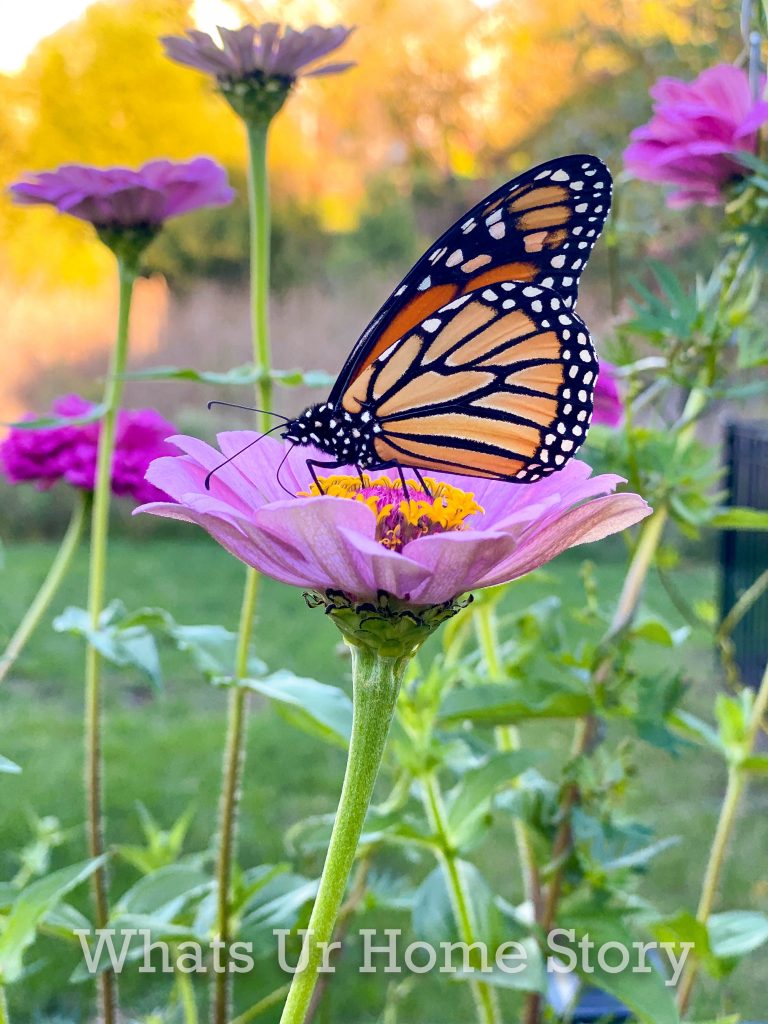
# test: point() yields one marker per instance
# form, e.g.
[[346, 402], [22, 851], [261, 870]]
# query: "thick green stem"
[[738, 780], [96, 591], [376, 682], [234, 754], [58, 570], [483, 994], [4, 1017]]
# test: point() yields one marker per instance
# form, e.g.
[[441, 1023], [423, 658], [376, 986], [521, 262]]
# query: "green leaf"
[[46, 422], [645, 994], [469, 798], [29, 909], [656, 631], [735, 933], [757, 763], [164, 892], [247, 374], [739, 518], [502, 704], [9, 767], [119, 639], [212, 649], [316, 708]]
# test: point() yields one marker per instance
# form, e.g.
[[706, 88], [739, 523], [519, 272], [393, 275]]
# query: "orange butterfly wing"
[[496, 383]]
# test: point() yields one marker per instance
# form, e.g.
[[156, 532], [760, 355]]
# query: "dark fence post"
[[744, 553]]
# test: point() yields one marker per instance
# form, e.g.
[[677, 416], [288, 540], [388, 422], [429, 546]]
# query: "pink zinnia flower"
[[697, 131], [121, 198], [364, 540], [608, 404], [69, 452]]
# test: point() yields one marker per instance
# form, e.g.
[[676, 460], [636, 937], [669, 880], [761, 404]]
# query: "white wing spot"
[[490, 295], [498, 230], [457, 256], [425, 284], [531, 291], [536, 306], [493, 217], [542, 174], [548, 282], [558, 261], [581, 208], [432, 325], [560, 175]]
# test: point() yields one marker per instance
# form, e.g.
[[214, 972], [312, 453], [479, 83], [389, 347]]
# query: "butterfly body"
[[477, 363]]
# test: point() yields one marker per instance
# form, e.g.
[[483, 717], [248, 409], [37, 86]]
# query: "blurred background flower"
[[608, 407], [696, 133], [118, 197], [68, 451]]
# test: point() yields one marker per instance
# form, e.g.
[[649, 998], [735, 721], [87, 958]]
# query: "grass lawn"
[[165, 751]]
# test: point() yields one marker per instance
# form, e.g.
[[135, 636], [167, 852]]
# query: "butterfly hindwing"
[[496, 383], [537, 229]]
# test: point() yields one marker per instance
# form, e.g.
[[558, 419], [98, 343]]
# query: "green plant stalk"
[[96, 590], [237, 712], [484, 995], [738, 779], [508, 738], [50, 585], [376, 680], [4, 1017]]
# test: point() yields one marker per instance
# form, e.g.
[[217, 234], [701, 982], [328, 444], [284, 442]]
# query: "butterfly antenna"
[[226, 462], [249, 408], [277, 474]]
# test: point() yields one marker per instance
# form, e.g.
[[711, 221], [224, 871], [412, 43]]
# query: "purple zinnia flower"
[[267, 50], [697, 131], [365, 539], [69, 452], [118, 198], [608, 404], [256, 65]]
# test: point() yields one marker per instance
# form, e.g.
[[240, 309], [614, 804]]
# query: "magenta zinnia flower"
[[608, 404], [121, 198], [268, 50], [363, 540], [69, 452], [697, 131]]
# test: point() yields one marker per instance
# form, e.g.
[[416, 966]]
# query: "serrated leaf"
[[476, 786], [164, 892]]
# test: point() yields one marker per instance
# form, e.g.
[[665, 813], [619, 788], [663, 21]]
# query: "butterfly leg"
[[422, 481], [313, 464], [401, 474]]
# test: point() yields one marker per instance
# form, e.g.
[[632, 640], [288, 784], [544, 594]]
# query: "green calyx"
[[386, 625], [128, 244], [256, 98]]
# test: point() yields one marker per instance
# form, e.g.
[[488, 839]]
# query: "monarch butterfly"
[[477, 364]]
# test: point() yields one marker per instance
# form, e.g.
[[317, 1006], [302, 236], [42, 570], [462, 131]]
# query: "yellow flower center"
[[402, 516]]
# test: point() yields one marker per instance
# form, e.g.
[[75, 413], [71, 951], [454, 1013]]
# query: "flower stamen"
[[402, 515]]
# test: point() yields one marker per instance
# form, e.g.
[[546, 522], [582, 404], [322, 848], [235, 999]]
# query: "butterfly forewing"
[[496, 383], [537, 229]]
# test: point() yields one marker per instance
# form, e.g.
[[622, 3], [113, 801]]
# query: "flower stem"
[[738, 779], [229, 801], [258, 209], [96, 590], [483, 994], [4, 1017], [237, 712], [270, 1000], [376, 682], [58, 570]]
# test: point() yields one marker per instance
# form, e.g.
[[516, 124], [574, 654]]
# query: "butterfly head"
[[346, 437]]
